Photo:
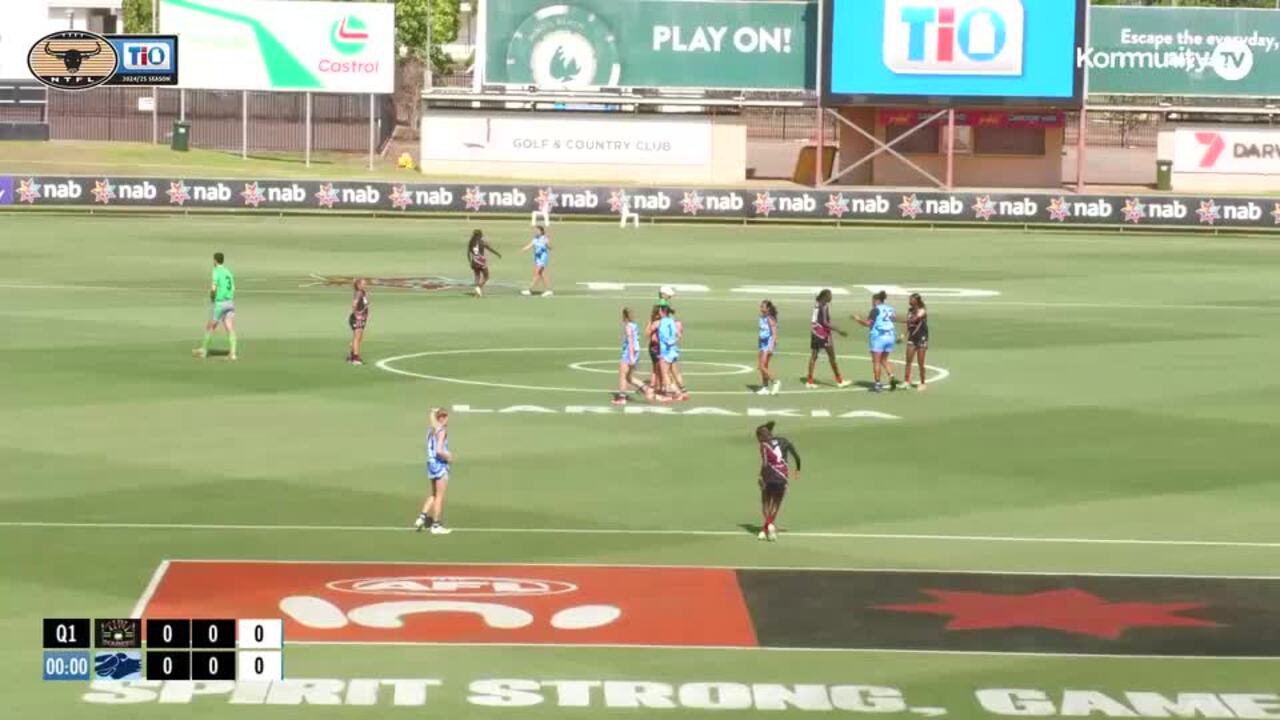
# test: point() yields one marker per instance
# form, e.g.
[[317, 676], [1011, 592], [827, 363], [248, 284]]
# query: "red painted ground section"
[[363, 602]]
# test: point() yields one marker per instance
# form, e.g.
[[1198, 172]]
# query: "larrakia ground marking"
[[388, 365], [909, 537]]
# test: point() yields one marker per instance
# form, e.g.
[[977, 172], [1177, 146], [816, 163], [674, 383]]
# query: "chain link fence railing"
[[275, 122]]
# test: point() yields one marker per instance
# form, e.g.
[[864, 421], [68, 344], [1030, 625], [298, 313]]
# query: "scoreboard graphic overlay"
[[169, 649]]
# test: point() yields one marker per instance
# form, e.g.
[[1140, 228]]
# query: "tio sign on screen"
[[954, 37]]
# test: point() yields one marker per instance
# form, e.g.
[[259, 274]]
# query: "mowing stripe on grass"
[[1048, 305], [926, 537]]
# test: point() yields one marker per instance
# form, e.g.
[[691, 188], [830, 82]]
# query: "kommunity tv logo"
[[954, 37]]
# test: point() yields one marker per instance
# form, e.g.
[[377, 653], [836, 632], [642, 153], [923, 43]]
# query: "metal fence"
[[220, 120]]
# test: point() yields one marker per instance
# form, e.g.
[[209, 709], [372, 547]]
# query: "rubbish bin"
[[181, 136], [1164, 174]]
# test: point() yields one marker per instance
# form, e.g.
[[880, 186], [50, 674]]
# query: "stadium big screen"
[[942, 52]]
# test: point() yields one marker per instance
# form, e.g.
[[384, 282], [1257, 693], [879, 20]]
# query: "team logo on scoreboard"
[[564, 47], [118, 633], [79, 60], [118, 665], [954, 37]]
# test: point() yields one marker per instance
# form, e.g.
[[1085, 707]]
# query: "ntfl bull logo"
[[954, 37]]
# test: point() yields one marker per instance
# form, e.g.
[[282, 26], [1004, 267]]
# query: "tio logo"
[[153, 56], [954, 37]]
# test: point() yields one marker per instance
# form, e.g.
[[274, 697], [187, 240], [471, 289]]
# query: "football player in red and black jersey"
[[477, 246], [358, 319], [775, 474], [820, 339]]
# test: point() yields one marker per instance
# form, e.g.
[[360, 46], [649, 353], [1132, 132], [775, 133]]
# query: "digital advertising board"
[[946, 52], [1184, 51], [583, 44], [334, 47]]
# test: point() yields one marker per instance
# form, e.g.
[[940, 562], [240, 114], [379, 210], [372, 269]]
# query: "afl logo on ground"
[[73, 60], [564, 47], [452, 586]]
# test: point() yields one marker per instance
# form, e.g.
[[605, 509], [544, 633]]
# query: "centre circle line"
[[387, 364], [734, 368]]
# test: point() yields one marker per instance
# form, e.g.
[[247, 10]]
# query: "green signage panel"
[[1183, 51], [765, 44]]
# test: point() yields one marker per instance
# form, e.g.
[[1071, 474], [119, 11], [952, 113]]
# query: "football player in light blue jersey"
[[670, 331], [438, 461], [627, 363], [881, 337], [541, 246], [769, 384]]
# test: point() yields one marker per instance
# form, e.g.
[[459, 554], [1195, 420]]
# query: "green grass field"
[[1112, 410]]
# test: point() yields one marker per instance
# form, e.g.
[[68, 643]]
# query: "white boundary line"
[[150, 590], [649, 566], [386, 364], [924, 537]]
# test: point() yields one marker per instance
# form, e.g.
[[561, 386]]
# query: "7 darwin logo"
[[954, 37], [1213, 147]]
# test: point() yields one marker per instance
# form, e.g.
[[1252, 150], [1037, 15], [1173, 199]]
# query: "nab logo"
[[954, 37]]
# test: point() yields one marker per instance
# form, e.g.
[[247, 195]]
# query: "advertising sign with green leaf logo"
[[579, 44]]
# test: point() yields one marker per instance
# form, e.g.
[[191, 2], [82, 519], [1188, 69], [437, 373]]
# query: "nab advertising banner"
[[1212, 52], [953, 51], [580, 44], [337, 47], [1226, 152], [687, 203]]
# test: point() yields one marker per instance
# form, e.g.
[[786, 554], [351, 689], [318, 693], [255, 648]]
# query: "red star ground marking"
[[1071, 611]]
